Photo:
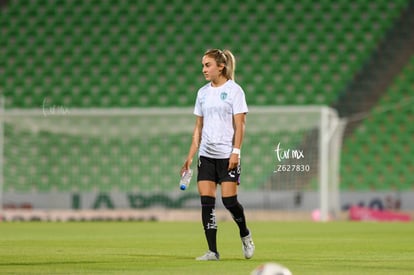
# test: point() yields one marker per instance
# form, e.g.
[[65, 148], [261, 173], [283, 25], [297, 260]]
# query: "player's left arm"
[[239, 121]]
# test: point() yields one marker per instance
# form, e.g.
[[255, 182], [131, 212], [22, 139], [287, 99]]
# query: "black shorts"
[[216, 170]]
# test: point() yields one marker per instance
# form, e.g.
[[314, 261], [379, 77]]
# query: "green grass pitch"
[[170, 248]]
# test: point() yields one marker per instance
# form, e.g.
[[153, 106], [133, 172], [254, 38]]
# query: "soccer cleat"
[[209, 256], [248, 246]]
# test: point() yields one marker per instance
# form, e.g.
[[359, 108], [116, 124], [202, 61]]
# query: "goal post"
[[330, 142], [64, 158]]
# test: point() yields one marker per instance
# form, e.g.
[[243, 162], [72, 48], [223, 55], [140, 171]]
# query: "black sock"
[[208, 213], [237, 211]]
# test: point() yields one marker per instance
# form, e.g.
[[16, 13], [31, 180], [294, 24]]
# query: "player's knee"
[[207, 201], [230, 202]]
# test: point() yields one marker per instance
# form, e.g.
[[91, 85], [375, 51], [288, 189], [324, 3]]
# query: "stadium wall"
[[273, 200]]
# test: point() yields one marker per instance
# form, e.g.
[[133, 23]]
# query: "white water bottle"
[[185, 179]]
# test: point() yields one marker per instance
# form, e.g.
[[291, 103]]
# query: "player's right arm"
[[195, 143]]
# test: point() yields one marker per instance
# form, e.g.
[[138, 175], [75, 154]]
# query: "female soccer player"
[[220, 111]]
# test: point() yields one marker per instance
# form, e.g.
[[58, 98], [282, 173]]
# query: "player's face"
[[211, 70]]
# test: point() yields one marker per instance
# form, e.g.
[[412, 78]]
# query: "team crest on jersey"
[[223, 95]]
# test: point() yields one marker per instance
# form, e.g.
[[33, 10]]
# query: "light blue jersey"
[[217, 106]]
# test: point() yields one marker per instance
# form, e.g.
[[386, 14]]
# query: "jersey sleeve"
[[239, 104], [197, 107]]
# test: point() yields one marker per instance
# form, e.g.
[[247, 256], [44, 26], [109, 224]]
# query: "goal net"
[[57, 158]]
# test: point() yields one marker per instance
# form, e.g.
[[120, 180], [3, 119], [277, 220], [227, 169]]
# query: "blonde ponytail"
[[230, 65]]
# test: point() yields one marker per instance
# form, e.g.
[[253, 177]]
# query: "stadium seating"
[[145, 54], [87, 53], [378, 155]]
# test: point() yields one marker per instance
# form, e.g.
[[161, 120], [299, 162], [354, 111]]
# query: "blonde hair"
[[224, 57]]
